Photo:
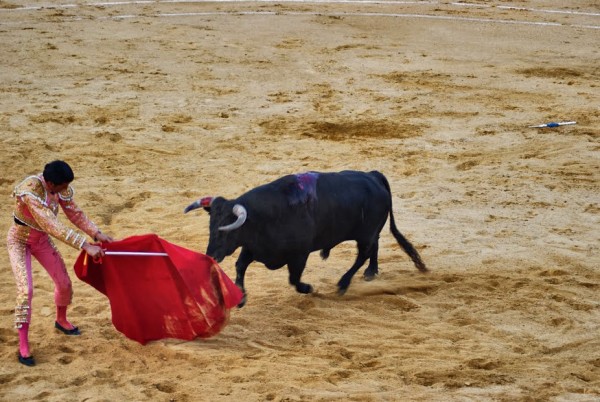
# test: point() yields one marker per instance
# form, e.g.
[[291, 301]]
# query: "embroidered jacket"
[[37, 208]]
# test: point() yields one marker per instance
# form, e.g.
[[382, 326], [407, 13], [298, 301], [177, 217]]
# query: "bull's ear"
[[212, 203], [206, 202]]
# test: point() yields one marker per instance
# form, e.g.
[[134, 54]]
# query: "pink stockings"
[[61, 317], [24, 340]]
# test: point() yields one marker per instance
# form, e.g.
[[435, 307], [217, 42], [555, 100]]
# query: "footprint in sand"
[[68, 355]]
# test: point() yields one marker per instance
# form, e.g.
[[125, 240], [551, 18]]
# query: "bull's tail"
[[406, 245], [402, 241]]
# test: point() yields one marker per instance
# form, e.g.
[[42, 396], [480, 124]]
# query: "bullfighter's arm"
[[49, 223], [75, 214]]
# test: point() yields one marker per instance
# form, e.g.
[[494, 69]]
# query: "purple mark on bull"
[[304, 190]]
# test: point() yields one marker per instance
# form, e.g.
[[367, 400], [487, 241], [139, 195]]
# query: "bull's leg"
[[296, 267], [373, 268], [241, 265], [363, 254]]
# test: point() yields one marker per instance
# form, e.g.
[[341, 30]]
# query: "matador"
[[38, 199]]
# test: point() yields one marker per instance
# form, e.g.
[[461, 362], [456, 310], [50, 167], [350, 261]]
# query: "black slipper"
[[28, 361], [74, 331]]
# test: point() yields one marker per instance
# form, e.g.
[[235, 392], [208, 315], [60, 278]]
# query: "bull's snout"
[[214, 254], [216, 258]]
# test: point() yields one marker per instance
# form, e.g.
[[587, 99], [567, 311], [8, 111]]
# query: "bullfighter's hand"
[[92, 250], [103, 238]]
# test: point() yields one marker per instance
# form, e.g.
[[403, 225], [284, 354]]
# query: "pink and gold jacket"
[[37, 208]]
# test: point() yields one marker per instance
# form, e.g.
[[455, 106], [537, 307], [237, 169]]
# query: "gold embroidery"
[[38, 209]]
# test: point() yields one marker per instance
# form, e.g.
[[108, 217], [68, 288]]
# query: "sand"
[[155, 104]]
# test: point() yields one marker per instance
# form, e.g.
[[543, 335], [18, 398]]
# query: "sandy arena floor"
[[156, 103]]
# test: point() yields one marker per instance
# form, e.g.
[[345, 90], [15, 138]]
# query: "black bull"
[[282, 222]]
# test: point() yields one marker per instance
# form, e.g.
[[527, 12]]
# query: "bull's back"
[[350, 205]]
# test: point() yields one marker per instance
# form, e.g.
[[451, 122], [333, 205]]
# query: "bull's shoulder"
[[289, 191]]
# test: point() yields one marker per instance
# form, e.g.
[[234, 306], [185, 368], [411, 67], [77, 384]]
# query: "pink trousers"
[[23, 243]]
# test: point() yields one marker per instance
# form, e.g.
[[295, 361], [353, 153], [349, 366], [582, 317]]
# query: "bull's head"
[[225, 218]]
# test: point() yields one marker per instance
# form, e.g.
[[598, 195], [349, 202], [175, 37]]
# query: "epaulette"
[[67, 194], [32, 186]]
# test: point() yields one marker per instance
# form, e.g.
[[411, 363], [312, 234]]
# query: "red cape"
[[185, 295]]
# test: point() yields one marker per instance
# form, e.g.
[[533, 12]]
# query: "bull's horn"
[[241, 213], [201, 203]]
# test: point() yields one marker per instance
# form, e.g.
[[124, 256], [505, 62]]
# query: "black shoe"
[[74, 331], [28, 361]]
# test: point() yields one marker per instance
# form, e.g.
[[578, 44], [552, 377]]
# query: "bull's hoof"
[[304, 288], [242, 303], [343, 285], [369, 276]]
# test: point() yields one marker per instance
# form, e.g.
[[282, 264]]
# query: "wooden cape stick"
[[137, 253]]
